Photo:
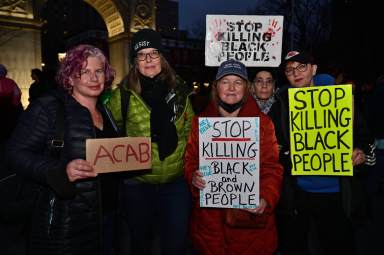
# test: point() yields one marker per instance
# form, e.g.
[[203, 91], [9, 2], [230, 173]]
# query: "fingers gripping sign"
[[197, 180], [80, 169], [358, 157]]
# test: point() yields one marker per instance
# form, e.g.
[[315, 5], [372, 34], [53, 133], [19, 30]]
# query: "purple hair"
[[74, 61]]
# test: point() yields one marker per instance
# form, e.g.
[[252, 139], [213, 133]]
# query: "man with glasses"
[[308, 202], [299, 68]]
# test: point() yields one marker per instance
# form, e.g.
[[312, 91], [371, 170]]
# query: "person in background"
[[375, 179], [210, 234], [9, 91], [331, 203], [67, 216], [39, 86], [10, 104], [153, 102], [264, 88], [12, 236]]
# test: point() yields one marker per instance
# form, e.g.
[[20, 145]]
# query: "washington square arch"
[[22, 29]]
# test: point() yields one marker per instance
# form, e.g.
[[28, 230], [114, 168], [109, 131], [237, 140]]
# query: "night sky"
[[192, 12]]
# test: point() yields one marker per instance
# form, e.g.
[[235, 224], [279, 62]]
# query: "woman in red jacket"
[[209, 232]]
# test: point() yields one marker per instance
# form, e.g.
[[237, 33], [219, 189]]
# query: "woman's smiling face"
[[231, 89]]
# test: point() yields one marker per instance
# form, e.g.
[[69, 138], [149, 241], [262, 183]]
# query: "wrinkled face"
[[90, 81], [148, 62], [300, 75], [231, 89], [263, 85]]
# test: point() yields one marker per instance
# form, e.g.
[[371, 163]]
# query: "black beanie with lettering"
[[145, 38]]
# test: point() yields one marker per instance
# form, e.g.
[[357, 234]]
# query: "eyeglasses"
[[300, 68], [141, 56], [88, 74], [260, 82]]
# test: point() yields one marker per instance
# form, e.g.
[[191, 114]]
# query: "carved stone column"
[[142, 15]]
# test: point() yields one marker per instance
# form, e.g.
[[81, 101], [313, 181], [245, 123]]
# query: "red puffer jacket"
[[209, 233]]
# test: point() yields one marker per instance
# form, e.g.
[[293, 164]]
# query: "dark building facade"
[[185, 55], [355, 38], [167, 16]]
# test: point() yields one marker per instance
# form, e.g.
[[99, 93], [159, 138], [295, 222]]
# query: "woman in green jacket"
[[153, 102]]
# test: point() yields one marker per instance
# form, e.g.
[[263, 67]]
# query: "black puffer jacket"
[[67, 218]]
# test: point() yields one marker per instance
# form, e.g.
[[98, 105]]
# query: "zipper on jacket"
[[50, 213]]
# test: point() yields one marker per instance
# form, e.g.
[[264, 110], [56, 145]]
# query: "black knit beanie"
[[145, 38]]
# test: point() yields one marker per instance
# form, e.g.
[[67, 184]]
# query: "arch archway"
[[122, 18], [111, 15], [20, 22]]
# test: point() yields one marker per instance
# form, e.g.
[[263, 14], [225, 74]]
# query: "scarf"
[[265, 105], [163, 131]]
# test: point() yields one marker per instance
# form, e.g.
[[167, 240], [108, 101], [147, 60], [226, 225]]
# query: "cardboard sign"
[[253, 40], [229, 161], [119, 154], [321, 130]]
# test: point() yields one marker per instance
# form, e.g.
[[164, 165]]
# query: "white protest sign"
[[229, 161], [253, 40]]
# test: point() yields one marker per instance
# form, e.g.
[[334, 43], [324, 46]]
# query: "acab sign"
[[119, 154]]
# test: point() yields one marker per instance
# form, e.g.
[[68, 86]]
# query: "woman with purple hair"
[[67, 215]]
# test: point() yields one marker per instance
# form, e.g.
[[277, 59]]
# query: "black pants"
[[157, 212], [318, 226]]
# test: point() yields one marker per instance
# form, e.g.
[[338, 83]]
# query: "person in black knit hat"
[[153, 101], [143, 39]]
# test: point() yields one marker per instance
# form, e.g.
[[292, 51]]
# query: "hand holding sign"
[[79, 169], [358, 157], [197, 180]]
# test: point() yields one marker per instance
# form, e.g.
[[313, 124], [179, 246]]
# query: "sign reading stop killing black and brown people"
[[229, 161]]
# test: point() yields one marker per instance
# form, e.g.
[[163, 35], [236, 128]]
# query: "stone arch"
[[118, 32], [20, 22], [111, 15], [110, 10], [122, 18]]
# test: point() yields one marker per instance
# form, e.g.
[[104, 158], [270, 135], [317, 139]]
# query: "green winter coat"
[[138, 125]]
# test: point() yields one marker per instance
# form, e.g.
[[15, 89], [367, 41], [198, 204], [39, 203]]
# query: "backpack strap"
[[59, 126], [57, 178], [56, 143], [124, 97]]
